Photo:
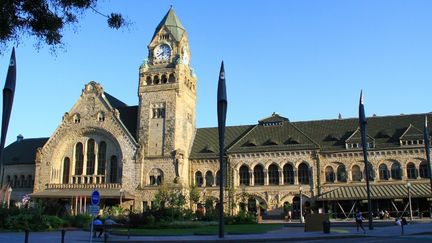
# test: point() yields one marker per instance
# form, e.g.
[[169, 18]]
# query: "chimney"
[[20, 138]]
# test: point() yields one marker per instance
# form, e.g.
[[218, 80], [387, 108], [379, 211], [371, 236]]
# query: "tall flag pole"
[[222, 104], [8, 96], [363, 124], [427, 150]]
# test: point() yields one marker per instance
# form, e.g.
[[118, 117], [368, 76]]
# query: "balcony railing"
[[84, 186], [88, 179]]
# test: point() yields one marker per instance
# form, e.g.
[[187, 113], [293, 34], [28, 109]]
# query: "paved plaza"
[[418, 231]]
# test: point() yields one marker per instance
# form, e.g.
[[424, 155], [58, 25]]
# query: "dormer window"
[[77, 118]]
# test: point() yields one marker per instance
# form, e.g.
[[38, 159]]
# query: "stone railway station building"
[[127, 152]]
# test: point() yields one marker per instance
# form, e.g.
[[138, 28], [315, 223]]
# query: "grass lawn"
[[205, 230]]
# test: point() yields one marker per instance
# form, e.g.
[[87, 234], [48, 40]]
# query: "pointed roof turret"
[[172, 23]]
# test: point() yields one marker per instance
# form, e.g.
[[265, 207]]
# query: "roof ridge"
[[299, 130], [240, 138]]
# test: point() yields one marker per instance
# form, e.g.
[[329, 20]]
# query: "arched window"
[[288, 173], [209, 178], [101, 158], [244, 175], [79, 158], [423, 169], [341, 173], [371, 172], [383, 172], [303, 173], [164, 79], [156, 177], [198, 179], [156, 80], [396, 172], [90, 157], [411, 171], [259, 175], [171, 78], [329, 174], [15, 181], [356, 173], [114, 169], [66, 169], [273, 174], [148, 80]]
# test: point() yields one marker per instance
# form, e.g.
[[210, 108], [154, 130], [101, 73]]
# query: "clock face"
[[162, 52]]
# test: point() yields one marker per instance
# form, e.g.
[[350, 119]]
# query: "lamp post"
[[9, 196], [301, 204], [121, 196], [409, 199]]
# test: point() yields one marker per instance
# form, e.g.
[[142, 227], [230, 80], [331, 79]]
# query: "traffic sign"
[[94, 210], [95, 197]]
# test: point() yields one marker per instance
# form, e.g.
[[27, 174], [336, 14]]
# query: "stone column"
[[296, 181], [266, 177], [281, 178], [251, 178]]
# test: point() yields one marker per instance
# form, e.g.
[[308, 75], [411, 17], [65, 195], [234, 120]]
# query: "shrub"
[[55, 222], [80, 220], [151, 220]]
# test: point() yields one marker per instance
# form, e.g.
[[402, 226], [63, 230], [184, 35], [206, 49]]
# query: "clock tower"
[[167, 101]]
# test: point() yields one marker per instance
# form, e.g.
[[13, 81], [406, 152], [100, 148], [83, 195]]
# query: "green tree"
[[194, 195], [45, 19], [161, 197]]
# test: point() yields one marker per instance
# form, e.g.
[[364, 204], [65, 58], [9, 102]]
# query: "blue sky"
[[306, 60]]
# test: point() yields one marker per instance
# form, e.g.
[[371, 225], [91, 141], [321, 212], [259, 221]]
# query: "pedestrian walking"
[[359, 221]]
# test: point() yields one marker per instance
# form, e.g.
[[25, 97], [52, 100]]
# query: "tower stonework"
[[167, 101]]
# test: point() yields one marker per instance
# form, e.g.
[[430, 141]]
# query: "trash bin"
[[326, 226]]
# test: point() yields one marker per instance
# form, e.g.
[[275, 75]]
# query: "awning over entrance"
[[389, 191], [68, 193]]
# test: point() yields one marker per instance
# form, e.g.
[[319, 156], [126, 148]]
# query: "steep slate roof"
[[172, 23], [412, 133], [129, 116], [22, 152], [206, 143], [115, 103], [276, 133]]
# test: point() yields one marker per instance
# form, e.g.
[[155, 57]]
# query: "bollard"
[[63, 232], [402, 229], [26, 236]]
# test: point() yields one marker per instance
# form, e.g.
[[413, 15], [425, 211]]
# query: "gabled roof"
[[277, 134], [412, 133], [273, 119], [22, 152], [207, 140], [356, 137], [172, 23]]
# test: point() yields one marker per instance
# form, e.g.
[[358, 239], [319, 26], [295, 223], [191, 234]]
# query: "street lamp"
[[301, 205], [409, 199], [9, 196], [121, 194]]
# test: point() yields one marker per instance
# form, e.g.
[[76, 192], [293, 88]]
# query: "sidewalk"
[[286, 234]]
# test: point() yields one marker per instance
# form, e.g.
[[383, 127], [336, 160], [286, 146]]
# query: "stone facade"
[[103, 143]]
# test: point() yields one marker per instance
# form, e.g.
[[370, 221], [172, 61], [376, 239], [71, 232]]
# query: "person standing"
[[359, 221]]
